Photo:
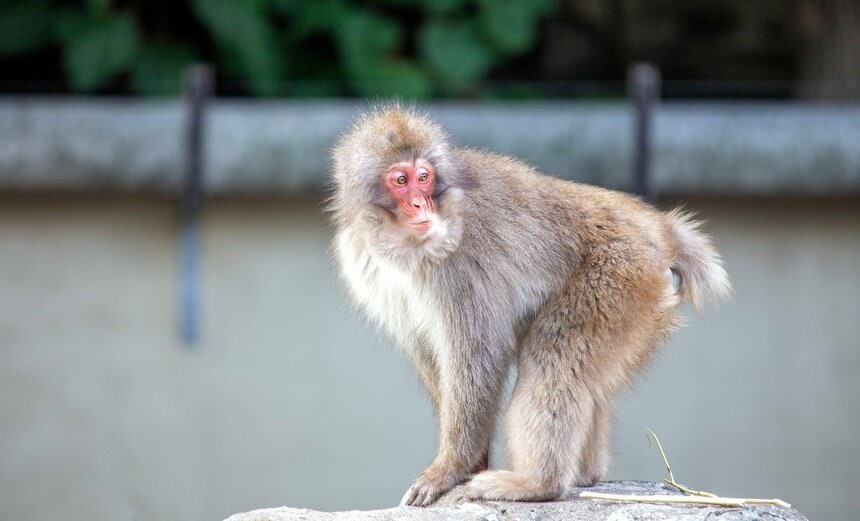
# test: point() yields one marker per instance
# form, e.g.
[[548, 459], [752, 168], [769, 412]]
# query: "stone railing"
[[729, 148]]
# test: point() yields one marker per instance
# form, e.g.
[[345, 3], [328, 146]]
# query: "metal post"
[[199, 88], [643, 87]]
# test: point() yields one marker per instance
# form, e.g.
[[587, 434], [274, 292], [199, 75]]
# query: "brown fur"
[[575, 284]]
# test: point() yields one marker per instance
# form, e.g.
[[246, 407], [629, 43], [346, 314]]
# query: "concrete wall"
[[291, 399]]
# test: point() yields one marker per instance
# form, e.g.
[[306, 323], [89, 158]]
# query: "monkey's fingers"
[[421, 494], [408, 497]]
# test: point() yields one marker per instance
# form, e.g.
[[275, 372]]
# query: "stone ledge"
[[453, 506], [266, 147]]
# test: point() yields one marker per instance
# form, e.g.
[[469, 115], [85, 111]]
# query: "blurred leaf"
[[288, 6], [403, 79], [401, 3], [98, 7], [160, 68], [315, 89], [512, 25], [367, 43], [24, 26], [443, 6], [258, 5], [102, 48], [332, 46], [514, 92], [311, 60], [455, 52], [394, 78], [243, 31], [430, 6], [319, 15], [69, 23], [364, 38]]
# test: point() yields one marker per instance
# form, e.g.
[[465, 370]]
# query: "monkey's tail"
[[697, 263]]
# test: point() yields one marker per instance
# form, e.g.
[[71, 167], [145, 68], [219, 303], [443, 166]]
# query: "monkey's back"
[[569, 219], [542, 232]]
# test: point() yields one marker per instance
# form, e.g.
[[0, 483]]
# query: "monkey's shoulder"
[[498, 167], [505, 186], [498, 173]]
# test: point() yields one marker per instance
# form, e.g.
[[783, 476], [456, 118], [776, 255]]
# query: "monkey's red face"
[[411, 185]]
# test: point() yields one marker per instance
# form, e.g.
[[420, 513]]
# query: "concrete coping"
[[454, 507], [253, 146]]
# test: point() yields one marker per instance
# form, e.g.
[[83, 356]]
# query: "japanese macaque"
[[473, 261]]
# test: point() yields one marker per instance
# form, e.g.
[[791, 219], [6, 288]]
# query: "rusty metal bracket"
[[643, 88], [199, 89]]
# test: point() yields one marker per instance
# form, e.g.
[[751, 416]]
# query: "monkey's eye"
[[400, 180], [423, 176]]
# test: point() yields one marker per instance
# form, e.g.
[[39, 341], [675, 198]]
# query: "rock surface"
[[453, 506]]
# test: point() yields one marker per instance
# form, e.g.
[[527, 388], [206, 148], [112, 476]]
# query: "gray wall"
[[291, 399]]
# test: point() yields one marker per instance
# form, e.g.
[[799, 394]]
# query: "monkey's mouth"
[[421, 226]]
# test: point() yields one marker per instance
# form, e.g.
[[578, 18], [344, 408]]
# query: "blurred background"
[[174, 343]]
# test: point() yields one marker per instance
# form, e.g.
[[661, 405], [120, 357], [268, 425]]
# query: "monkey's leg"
[[594, 461], [550, 419], [580, 350], [428, 370], [471, 384], [555, 413]]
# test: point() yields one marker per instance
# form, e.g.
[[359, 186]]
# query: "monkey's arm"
[[424, 360], [472, 366]]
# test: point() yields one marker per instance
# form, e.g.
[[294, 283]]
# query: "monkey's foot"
[[592, 470], [504, 485], [589, 480]]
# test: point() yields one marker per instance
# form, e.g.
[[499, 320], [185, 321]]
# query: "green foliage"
[[364, 39], [160, 69], [511, 25], [429, 6], [317, 17], [455, 52], [24, 28], [246, 36], [101, 48], [367, 44], [393, 78], [443, 6], [409, 48]]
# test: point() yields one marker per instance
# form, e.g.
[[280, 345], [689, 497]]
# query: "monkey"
[[475, 262]]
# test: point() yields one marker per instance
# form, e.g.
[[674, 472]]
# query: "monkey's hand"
[[431, 484], [422, 494], [435, 481]]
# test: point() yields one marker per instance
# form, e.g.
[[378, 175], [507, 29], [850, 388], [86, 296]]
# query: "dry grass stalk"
[[695, 496]]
